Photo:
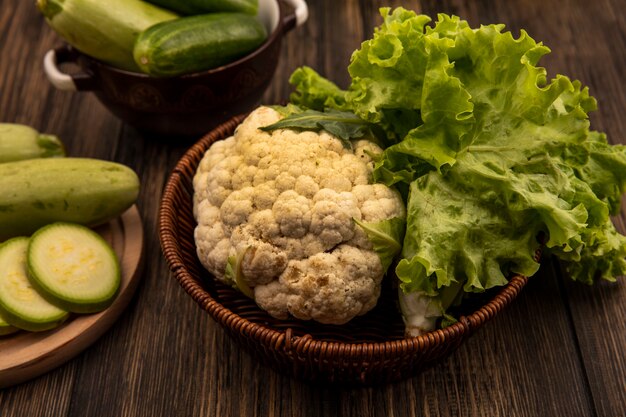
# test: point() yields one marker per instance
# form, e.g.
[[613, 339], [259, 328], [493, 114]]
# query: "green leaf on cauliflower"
[[234, 274], [342, 124], [386, 237]]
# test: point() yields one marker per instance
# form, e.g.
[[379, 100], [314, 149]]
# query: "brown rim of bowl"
[[285, 340], [285, 23]]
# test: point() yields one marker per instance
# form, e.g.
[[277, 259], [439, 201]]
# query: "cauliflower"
[[291, 219]]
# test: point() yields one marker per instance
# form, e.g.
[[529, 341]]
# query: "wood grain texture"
[[556, 351]]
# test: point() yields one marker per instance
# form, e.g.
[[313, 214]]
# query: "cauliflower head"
[[285, 217]]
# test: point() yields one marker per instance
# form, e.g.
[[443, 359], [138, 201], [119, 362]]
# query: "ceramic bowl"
[[187, 105]]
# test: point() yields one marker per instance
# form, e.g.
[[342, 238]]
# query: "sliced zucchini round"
[[21, 305], [73, 267], [6, 328]]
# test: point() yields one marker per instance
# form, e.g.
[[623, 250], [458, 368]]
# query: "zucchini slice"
[[6, 328], [74, 267], [20, 303]]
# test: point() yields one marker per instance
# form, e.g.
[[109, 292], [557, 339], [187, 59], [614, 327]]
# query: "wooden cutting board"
[[25, 355]]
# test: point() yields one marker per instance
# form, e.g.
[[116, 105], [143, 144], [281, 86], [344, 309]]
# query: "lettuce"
[[495, 160]]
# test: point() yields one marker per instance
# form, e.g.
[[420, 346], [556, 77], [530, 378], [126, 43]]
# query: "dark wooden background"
[[559, 350]]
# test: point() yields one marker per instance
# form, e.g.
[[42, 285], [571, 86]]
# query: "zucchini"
[[73, 267], [20, 303], [6, 328], [194, 7], [18, 142], [197, 43], [105, 30], [37, 192]]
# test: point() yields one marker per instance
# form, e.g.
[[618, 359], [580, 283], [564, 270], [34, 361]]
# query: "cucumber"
[[194, 7], [197, 43], [73, 267], [19, 142], [20, 304], [37, 192], [105, 30]]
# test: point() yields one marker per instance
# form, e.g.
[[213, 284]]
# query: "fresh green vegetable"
[[193, 7], [6, 328], [20, 304], [37, 192], [315, 92], [73, 267], [105, 30], [18, 142], [345, 125], [489, 154], [234, 274], [197, 43], [385, 236]]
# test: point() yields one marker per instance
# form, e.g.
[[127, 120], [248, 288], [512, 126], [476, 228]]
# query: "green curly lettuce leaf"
[[528, 165], [491, 153], [314, 91], [604, 171]]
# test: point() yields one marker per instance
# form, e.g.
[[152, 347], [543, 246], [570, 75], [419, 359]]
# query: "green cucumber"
[[73, 267], [37, 192], [105, 30], [20, 303], [194, 7], [19, 142], [197, 43]]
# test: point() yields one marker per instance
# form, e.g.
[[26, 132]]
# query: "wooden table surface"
[[558, 350]]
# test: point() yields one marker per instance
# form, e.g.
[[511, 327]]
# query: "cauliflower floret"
[[278, 211], [327, 287]]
